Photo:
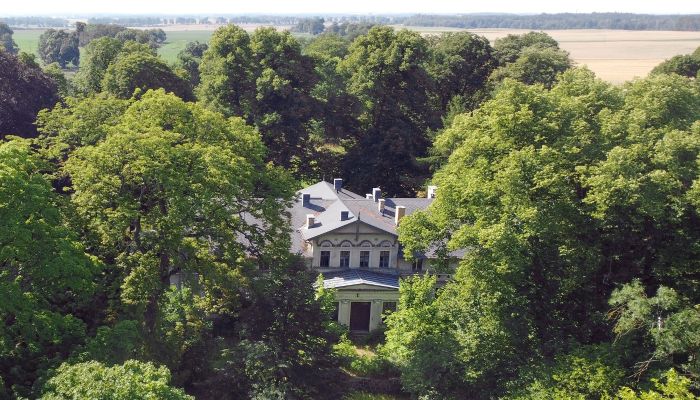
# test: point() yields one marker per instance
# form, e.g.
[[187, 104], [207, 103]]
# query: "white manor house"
[[352, 240]]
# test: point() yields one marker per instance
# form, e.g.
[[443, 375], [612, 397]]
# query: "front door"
[[359, 316]]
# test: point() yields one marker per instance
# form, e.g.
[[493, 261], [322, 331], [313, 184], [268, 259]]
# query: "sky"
[[161, 7]]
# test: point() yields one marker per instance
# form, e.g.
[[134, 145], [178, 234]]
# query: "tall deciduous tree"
[[386, 71], [97, 57], [59, 46], [558, 195], [24, 90], [173, 189], [265, 79], [142, 70]]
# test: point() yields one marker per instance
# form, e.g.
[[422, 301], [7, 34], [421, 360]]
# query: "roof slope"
[[352, 277]]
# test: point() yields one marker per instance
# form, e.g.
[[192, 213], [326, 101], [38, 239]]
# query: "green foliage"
[[97, 56], [365, 364], [387, 73], [24, 90], [59, 46], [265, 79], [143, 71], [6, 42], [45, 277], [535, 65], [93, 380], [558, 195], [158, 149], [509, 48], [589, 372], [112, 345], [686, 65], [675, 387]]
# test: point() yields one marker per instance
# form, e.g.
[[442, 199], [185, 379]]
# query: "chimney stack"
[[376, 194], [305, 199], [310, 220], [338, 184], [380, 205], [400, 212], [344, 215], [368, 196], [432, 192]]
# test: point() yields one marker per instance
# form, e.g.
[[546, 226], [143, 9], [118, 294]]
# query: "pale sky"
[[161, 7]]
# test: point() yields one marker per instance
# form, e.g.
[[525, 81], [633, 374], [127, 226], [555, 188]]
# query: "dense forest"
[[577, 203]]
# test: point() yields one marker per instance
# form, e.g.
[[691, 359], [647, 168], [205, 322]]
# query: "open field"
[[27, 39], [613, 55]]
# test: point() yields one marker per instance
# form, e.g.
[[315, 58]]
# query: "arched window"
[[385, 243], [346, 243], [326, 243], [365, 243]]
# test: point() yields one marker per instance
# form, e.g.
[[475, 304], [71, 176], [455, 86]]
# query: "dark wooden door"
[[359, 316]]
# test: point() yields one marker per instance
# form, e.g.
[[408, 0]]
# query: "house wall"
[[356, 239], [364, 293]]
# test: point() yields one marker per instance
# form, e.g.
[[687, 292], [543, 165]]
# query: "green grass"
[[177, 40], [27, 39]]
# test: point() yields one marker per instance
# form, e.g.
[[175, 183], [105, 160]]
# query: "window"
[[364, 259], [388, 307], [325, 259], [384, 259], [418, 265], [344, 259]]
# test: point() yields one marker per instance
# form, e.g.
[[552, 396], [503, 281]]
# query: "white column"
[[344, 312]]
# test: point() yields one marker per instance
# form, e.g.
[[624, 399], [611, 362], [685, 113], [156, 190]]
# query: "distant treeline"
[[42, 22], [627, 21]]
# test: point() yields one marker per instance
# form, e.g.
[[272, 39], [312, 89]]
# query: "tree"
[[189, 59], [133, 187], [24, 90], [386, 71], [141, 70], [675, 387], [60, 47], [508, 49], [283, 353], [685, 65], [45, 278], [557, 196], [6, 42], [534, 65], [93, 380], [97, 57], [265, 79], [460, 64]]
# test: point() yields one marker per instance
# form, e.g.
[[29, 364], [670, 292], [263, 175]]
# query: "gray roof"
[[327, 215], [351, 277]]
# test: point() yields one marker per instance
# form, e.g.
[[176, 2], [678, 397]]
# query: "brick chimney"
[[310, 220], [368, 196], [380, 206], [400, 212], [305, 199]]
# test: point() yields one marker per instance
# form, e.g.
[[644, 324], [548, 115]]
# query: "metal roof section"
[[328, 221], [325, 191], [352, 277]]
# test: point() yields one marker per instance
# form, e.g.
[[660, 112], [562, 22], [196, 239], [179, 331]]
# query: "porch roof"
[[352, 277]]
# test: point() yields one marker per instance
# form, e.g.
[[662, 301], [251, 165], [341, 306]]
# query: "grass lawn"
[[27, 39], [177, 40]]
